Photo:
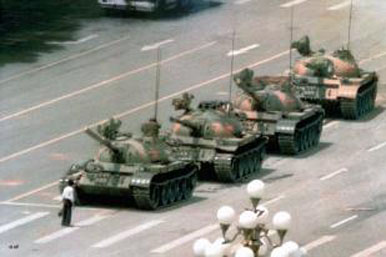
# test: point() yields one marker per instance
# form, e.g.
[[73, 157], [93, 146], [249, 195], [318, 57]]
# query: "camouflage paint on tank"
[[268, 106], [212, 136], [138, 168], [334, 80]]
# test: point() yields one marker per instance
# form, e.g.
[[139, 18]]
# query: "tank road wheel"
[[233, 173], [155, 196], [173, 191], [164, 195], [350, 109]]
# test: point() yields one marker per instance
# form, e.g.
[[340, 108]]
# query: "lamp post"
[[252, 230]]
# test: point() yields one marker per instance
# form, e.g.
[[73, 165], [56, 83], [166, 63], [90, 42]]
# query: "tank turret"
[[334, 80], [137, 168], [269, 107], [212, 136]]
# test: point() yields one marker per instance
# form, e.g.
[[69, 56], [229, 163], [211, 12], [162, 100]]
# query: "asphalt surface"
[[336, 193]]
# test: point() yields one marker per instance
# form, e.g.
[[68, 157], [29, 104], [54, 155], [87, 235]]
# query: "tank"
[[269, 107], [334, 80], [214, 138], [128, 168]]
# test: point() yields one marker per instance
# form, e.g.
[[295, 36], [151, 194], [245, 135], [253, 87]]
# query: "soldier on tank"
[[183, 103], [151, 128]]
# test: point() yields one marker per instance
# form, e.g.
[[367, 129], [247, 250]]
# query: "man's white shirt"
[[68, 193]]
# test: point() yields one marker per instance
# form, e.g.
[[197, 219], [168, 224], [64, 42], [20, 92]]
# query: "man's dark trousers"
[[66, 215]]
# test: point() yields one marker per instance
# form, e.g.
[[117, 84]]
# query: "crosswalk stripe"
[[65, 231], [125, 234], [22, 221], [371, 250], [185, 239]]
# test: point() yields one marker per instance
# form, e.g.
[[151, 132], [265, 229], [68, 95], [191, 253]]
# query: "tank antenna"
[[349, 26], [157, 82], [232, 64], [291, 39]]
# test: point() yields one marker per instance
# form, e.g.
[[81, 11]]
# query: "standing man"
[[68, 201]]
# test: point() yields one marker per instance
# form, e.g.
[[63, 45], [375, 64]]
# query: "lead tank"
[[213, 137], [268, 107], [334, 80], [128, 168]]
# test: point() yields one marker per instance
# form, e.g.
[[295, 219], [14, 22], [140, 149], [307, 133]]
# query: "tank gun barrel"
[[102, 140], [196, 128]]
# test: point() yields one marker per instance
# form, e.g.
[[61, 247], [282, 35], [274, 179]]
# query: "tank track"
[[353, 109], [166, 190], [304, 138], [232, 168]]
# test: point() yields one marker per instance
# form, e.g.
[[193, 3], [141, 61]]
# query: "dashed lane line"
[[318, 242], [185, 239], [55, 206], [377, 147], [333, 174], [239, 2], [243, 50], [156, 45], [103, 83], [292, 3], [339, 6], [340, 223], [125, 234], [371, 250], [74, 42], [63, 232], [22, 221], [149, 104], [330, 124], [33, 191]]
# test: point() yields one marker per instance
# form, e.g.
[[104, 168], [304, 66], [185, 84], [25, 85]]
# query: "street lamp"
[[251, 231]]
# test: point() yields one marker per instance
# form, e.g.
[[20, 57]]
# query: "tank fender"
[[348, 91], [286, 126], [141, 179]]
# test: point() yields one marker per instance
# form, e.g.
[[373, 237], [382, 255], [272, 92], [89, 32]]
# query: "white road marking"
[[31, 204], [57, 198], [276, 199], [377, 147], [149, 104], [242, 1], [123, 235], [103, 83], [340, 223], [243, 50], [156, 45], [373, 58], [318, 242], [339, 6], [66, 231], [75, 42], [22, 221], [185, 239], [69, 58], [33, 191], [371, 250], [333, 174], [292, 3], [330, 124], [222, 93]]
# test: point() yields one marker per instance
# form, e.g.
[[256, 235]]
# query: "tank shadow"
[[129, 204], [30, 28]]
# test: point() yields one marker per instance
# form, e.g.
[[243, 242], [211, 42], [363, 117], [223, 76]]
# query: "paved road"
[[336, 193]]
